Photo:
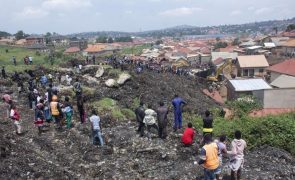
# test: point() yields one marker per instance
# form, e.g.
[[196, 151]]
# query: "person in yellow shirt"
[[209, 158]]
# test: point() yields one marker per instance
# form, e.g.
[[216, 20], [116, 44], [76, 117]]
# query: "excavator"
[[226, 65]]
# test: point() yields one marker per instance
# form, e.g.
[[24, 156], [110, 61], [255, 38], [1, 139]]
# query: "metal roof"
[[252, 61], [249, 84], [284, 81], [269, 45]]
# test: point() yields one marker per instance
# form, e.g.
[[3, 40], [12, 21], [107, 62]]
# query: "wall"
[[276, 98]]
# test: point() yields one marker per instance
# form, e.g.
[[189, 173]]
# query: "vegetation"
[[136, 50], [220, 45], [20, 35], [291, 27], [105, 39], [277, 131], [110, 106], [244, 105], [236, 42], [4, 34]]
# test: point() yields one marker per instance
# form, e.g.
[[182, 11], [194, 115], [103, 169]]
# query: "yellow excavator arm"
[[227, 63]]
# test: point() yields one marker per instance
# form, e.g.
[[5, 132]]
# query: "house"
[[72, 50], [284, 81], [286, 67], [35, 40], [99, 48], [79, 43], [250, 66], [251, 50], [239, 87], [59, 41], [288, 48], [6, 41]]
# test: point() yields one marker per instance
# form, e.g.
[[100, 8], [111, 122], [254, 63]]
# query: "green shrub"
[[117, 114], [128, 113], [244, 105], [277, 131]]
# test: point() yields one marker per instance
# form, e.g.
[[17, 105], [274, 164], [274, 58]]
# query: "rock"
[[111, 83], [91, 80], [99, 72], [123, 78]]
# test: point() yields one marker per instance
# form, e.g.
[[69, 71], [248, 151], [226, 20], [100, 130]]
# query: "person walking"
[[139, 112], [209, 158], [15, 116], [177, 103], [96, 128], [162, 113], [150, 120], [207, 123], [238, 146], [14, 60]]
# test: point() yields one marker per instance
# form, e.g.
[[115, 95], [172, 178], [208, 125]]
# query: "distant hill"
[[263, 27]]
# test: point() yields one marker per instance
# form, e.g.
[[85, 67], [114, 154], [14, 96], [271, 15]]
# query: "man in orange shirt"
[[209, 158], [188, 135]]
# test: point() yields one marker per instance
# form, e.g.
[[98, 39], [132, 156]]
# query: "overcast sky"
[[68, 16]]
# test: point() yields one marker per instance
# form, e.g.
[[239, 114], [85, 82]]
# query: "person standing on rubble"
[[162, 113], [139, 112], [96, 128], [150, 120], [3, 72], [68, 110], [207, 123], [80, 106], [56, 112], [8, 101], [39, 111], [209, 158], [15, 116], [237, 156], [178, 104]]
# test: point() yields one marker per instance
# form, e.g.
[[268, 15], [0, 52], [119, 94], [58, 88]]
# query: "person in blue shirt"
[[178, 103]]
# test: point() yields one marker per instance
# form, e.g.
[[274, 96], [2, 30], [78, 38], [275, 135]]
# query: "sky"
[[72, 16]]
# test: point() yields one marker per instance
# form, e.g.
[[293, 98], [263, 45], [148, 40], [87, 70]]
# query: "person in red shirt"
[[188, 135]]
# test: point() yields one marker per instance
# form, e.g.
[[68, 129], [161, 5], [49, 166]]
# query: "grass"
[[136, 50], [110, 106], [20, 53]]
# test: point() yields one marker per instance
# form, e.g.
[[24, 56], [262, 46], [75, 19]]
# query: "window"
[[251, 72], [261, 70], [245, 72]]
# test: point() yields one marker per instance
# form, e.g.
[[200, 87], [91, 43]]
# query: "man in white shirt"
[[95, 126]]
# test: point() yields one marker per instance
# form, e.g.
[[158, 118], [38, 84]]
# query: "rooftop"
[[252, 61], [249, 84], [286, 67], [284, 81]]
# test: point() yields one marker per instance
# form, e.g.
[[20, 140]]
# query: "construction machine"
[[227, 65]]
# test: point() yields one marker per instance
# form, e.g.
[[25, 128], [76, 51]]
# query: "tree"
[[47, 37], [20, 35], [102, 39], [124, 39], [4, 34], [110, 40], [220, 45], [236, 42], [291, 27], [159, 41]]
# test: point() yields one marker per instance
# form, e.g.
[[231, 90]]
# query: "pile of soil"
[[70, 154]]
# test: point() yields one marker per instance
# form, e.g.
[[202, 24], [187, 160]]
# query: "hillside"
[[184, 30]]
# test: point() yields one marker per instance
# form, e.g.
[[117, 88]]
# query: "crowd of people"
[[212, 152], [49, 108]]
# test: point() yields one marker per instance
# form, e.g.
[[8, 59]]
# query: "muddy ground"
[[69, 154]]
